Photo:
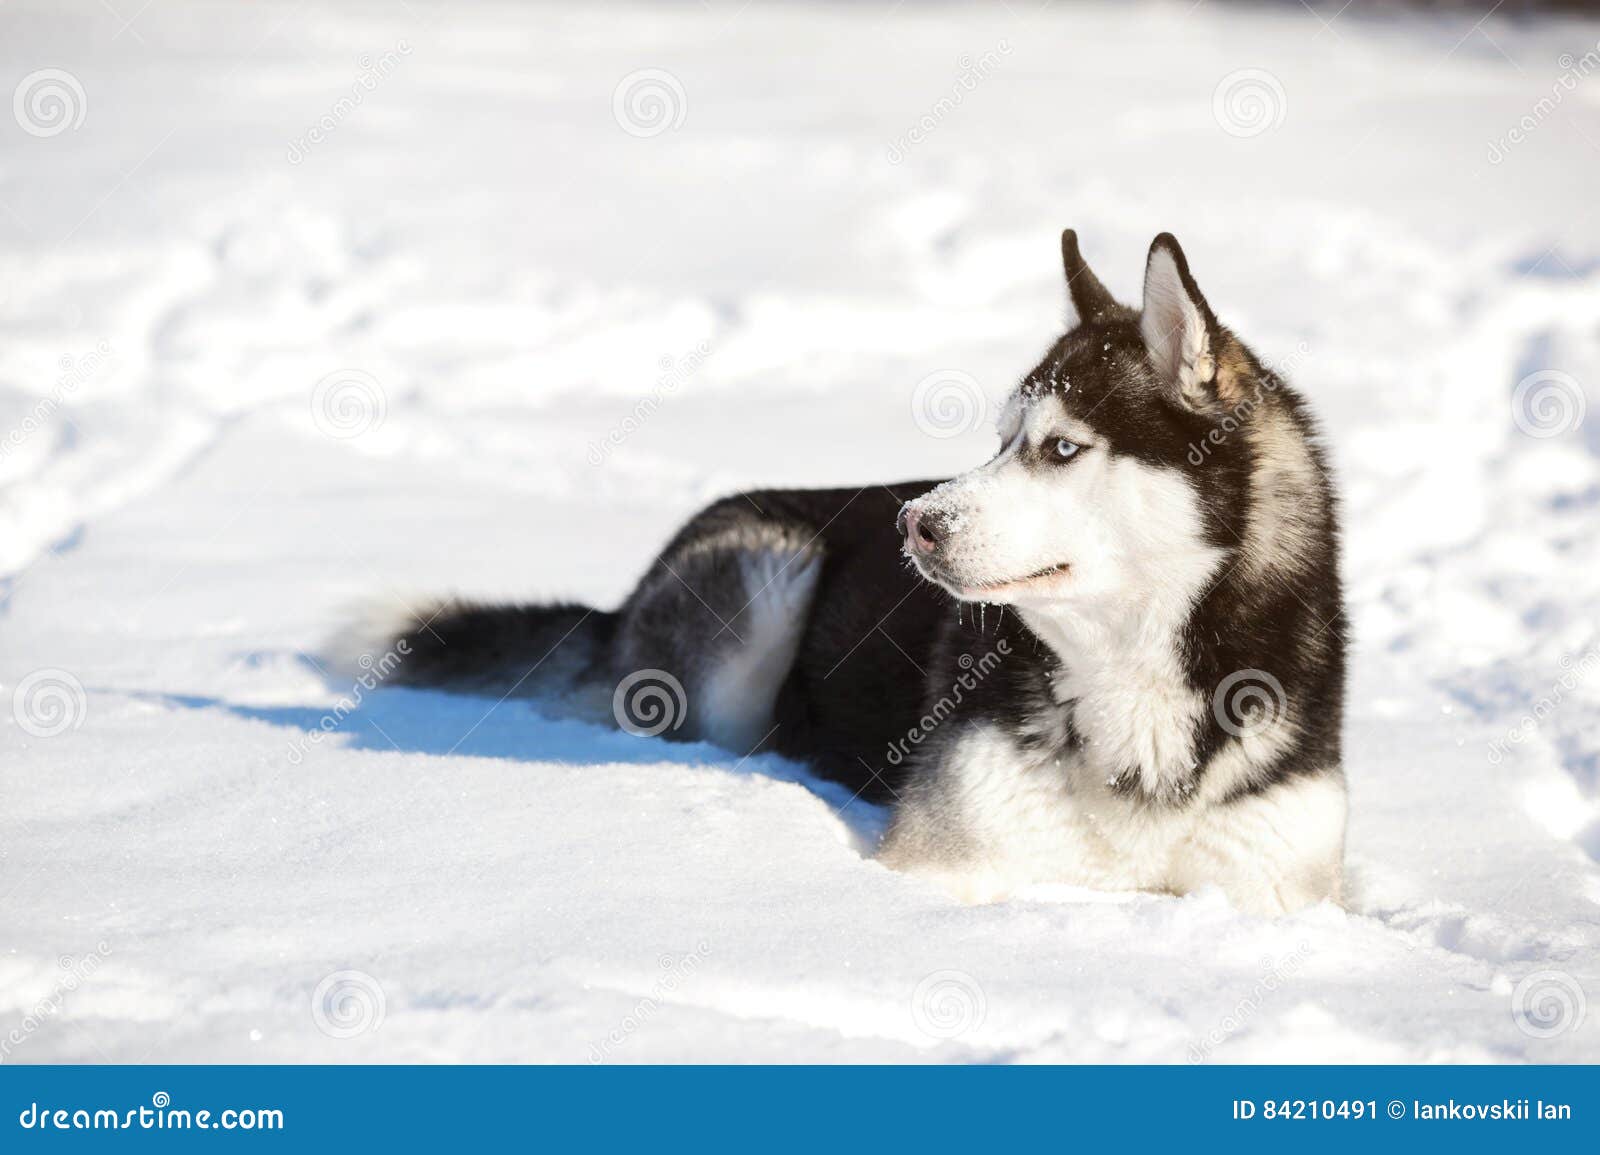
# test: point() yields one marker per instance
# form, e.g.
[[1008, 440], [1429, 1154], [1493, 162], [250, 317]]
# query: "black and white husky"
[[1159, 710]]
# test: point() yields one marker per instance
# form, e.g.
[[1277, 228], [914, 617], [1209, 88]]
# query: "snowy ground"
[[488, 271]]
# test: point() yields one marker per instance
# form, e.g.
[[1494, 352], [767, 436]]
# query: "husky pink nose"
[[921, 534]]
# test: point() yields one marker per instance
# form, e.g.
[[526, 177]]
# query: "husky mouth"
[[990, 591]]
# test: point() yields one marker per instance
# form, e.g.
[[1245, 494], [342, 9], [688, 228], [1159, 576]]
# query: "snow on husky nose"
[[933, 524], [921, 530]]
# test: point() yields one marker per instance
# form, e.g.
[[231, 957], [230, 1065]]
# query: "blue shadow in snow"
[[432, 722]]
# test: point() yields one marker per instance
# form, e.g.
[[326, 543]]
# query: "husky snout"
[[920, 527]]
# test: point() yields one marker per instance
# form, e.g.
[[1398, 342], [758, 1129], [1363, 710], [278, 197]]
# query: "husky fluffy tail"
[[560, 651]]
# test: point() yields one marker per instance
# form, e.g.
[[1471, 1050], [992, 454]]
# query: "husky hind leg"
[[724, 616], [721, 623]]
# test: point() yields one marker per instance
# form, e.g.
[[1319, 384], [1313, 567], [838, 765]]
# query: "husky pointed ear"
[[1089, 296], [1179, 329]]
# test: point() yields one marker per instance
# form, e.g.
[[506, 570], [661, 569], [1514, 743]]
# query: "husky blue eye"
[[1066, 449]]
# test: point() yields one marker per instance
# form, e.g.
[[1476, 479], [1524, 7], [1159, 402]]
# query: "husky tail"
[[560, 652]]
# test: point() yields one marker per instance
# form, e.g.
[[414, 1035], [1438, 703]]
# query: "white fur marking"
[[993, 821], [1175, 331], [735, 702]]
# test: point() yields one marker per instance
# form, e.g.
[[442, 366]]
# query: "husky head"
[[1119, 474]]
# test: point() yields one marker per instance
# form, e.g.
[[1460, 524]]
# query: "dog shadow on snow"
[[413, 721]]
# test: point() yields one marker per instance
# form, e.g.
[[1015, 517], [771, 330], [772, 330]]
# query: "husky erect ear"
[[1089, 296], [1178, 326]]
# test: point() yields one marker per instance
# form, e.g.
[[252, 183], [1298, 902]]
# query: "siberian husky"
[[1112, 656]]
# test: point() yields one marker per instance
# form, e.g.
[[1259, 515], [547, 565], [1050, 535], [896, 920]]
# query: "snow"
[[203, 311]]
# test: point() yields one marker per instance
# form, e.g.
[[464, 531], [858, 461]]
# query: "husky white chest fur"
[[1151, 697]]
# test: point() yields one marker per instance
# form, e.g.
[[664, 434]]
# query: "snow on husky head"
[[1095, 495]]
